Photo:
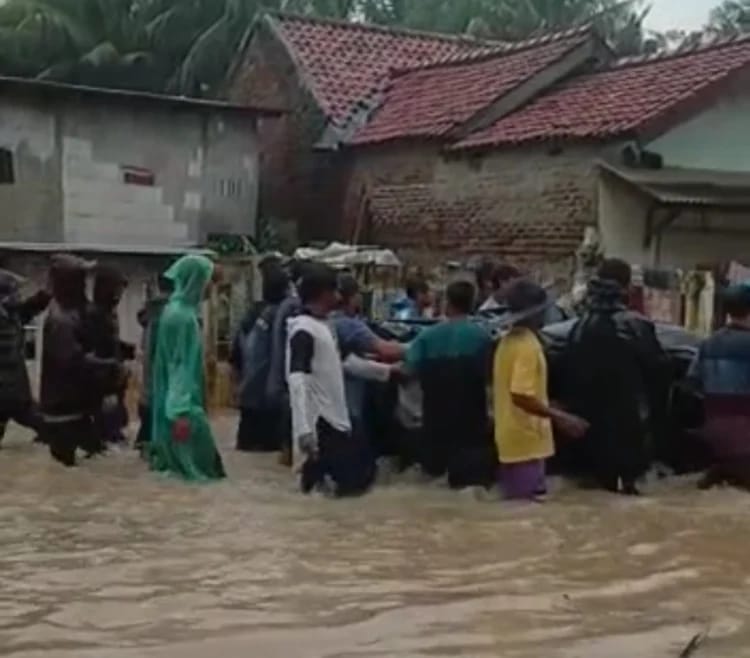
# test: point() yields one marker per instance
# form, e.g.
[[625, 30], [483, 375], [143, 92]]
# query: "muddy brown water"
[[110, 561]]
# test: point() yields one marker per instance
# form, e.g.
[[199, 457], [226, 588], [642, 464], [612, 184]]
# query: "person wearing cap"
[[70, 370], [721, 371], [614, 375], [451, 361], [524, 417]]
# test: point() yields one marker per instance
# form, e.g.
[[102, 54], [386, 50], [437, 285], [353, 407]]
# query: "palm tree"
[[730, 17]]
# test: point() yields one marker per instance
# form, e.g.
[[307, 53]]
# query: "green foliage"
[[730, 17], [186, 46]]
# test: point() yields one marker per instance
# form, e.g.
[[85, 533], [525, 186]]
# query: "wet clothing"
[[523, 480], [70, 372], [613, 367], [722, 372], [260, 418], [521, 369], [451, 361], [16, 401], [178, 386], [354, 337], [342, 461], [236, 359]]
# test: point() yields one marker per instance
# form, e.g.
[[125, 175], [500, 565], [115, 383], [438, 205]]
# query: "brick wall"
[[523, 205], [297, 182]]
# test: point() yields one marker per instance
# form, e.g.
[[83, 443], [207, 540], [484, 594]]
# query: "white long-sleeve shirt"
[[315, 377]]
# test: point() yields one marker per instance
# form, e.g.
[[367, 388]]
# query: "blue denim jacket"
[[722, 366]]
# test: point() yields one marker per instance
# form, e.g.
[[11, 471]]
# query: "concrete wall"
[[31, 207], [695, 238], [71, 160], [718, 138], [528, 206]]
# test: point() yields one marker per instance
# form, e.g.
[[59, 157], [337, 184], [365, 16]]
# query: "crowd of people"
[[306, 362]]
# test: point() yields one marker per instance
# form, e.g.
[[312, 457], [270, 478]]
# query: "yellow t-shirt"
[[520, 367]]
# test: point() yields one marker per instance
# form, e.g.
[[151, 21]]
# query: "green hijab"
[[190, 275]]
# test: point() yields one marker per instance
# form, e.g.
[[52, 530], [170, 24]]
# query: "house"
[[468, 148], [126, 178]]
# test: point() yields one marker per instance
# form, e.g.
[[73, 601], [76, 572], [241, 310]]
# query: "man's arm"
[[367, 369], [523, 393], [301, 352]]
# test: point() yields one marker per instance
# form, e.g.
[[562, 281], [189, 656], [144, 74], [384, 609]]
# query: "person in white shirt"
[[326, 454]]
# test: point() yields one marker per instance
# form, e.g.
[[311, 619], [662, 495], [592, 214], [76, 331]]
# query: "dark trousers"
[[259, 430], [346, 460], [25, 414], [63, 439]]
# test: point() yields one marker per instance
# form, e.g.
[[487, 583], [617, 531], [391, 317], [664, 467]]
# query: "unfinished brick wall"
[[522, 205], [297, 182]]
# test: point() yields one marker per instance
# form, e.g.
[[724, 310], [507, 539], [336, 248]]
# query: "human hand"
[[572, 426], [308, 445], [181, 430]]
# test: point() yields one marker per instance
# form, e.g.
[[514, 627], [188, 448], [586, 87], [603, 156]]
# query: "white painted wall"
[[718, 138], [693, 239]]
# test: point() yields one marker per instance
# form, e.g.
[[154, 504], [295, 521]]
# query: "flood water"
[[110, 561]]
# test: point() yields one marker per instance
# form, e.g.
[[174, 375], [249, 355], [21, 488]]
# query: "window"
[[7, 175], [137, 176], [230, 188]]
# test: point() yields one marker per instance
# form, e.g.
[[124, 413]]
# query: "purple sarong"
[[523, 480]]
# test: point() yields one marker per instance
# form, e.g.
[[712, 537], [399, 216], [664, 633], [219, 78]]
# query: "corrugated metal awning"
[[676, 186]]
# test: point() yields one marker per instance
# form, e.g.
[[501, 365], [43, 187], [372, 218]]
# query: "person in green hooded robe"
[[182, 442]]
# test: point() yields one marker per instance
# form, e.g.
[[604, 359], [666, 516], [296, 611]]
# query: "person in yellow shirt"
[[523, 415]]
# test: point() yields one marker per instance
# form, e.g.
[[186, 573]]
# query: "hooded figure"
[[16, 401], [182, 443], [71, 373], [614, 369], [102, 330]]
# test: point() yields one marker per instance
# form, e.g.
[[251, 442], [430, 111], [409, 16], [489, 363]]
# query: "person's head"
[[318, 288], [737, 304], [418, 290], [503, 277], [67, 276], [275, 285], [109, 284], [268, 262], [483, 275], [528, 301], [350, 296], [459, 299], [616, 270], [190, 277]]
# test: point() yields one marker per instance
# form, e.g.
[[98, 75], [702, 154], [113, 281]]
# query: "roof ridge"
[[643, 60], [508, 48], [375, 27]]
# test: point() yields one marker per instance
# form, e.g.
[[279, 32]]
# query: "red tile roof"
[[431, 100], [631, 95], [342, 63]]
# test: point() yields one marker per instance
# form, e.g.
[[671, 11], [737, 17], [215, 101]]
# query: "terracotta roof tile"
[[429, 101], [630, 95], [343, 63]]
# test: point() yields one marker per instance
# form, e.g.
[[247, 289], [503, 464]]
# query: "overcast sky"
[[680, 14]]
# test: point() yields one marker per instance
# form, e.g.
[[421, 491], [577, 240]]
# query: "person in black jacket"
[[102, 331], [71, 372], [16, 400], [614, 369]]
